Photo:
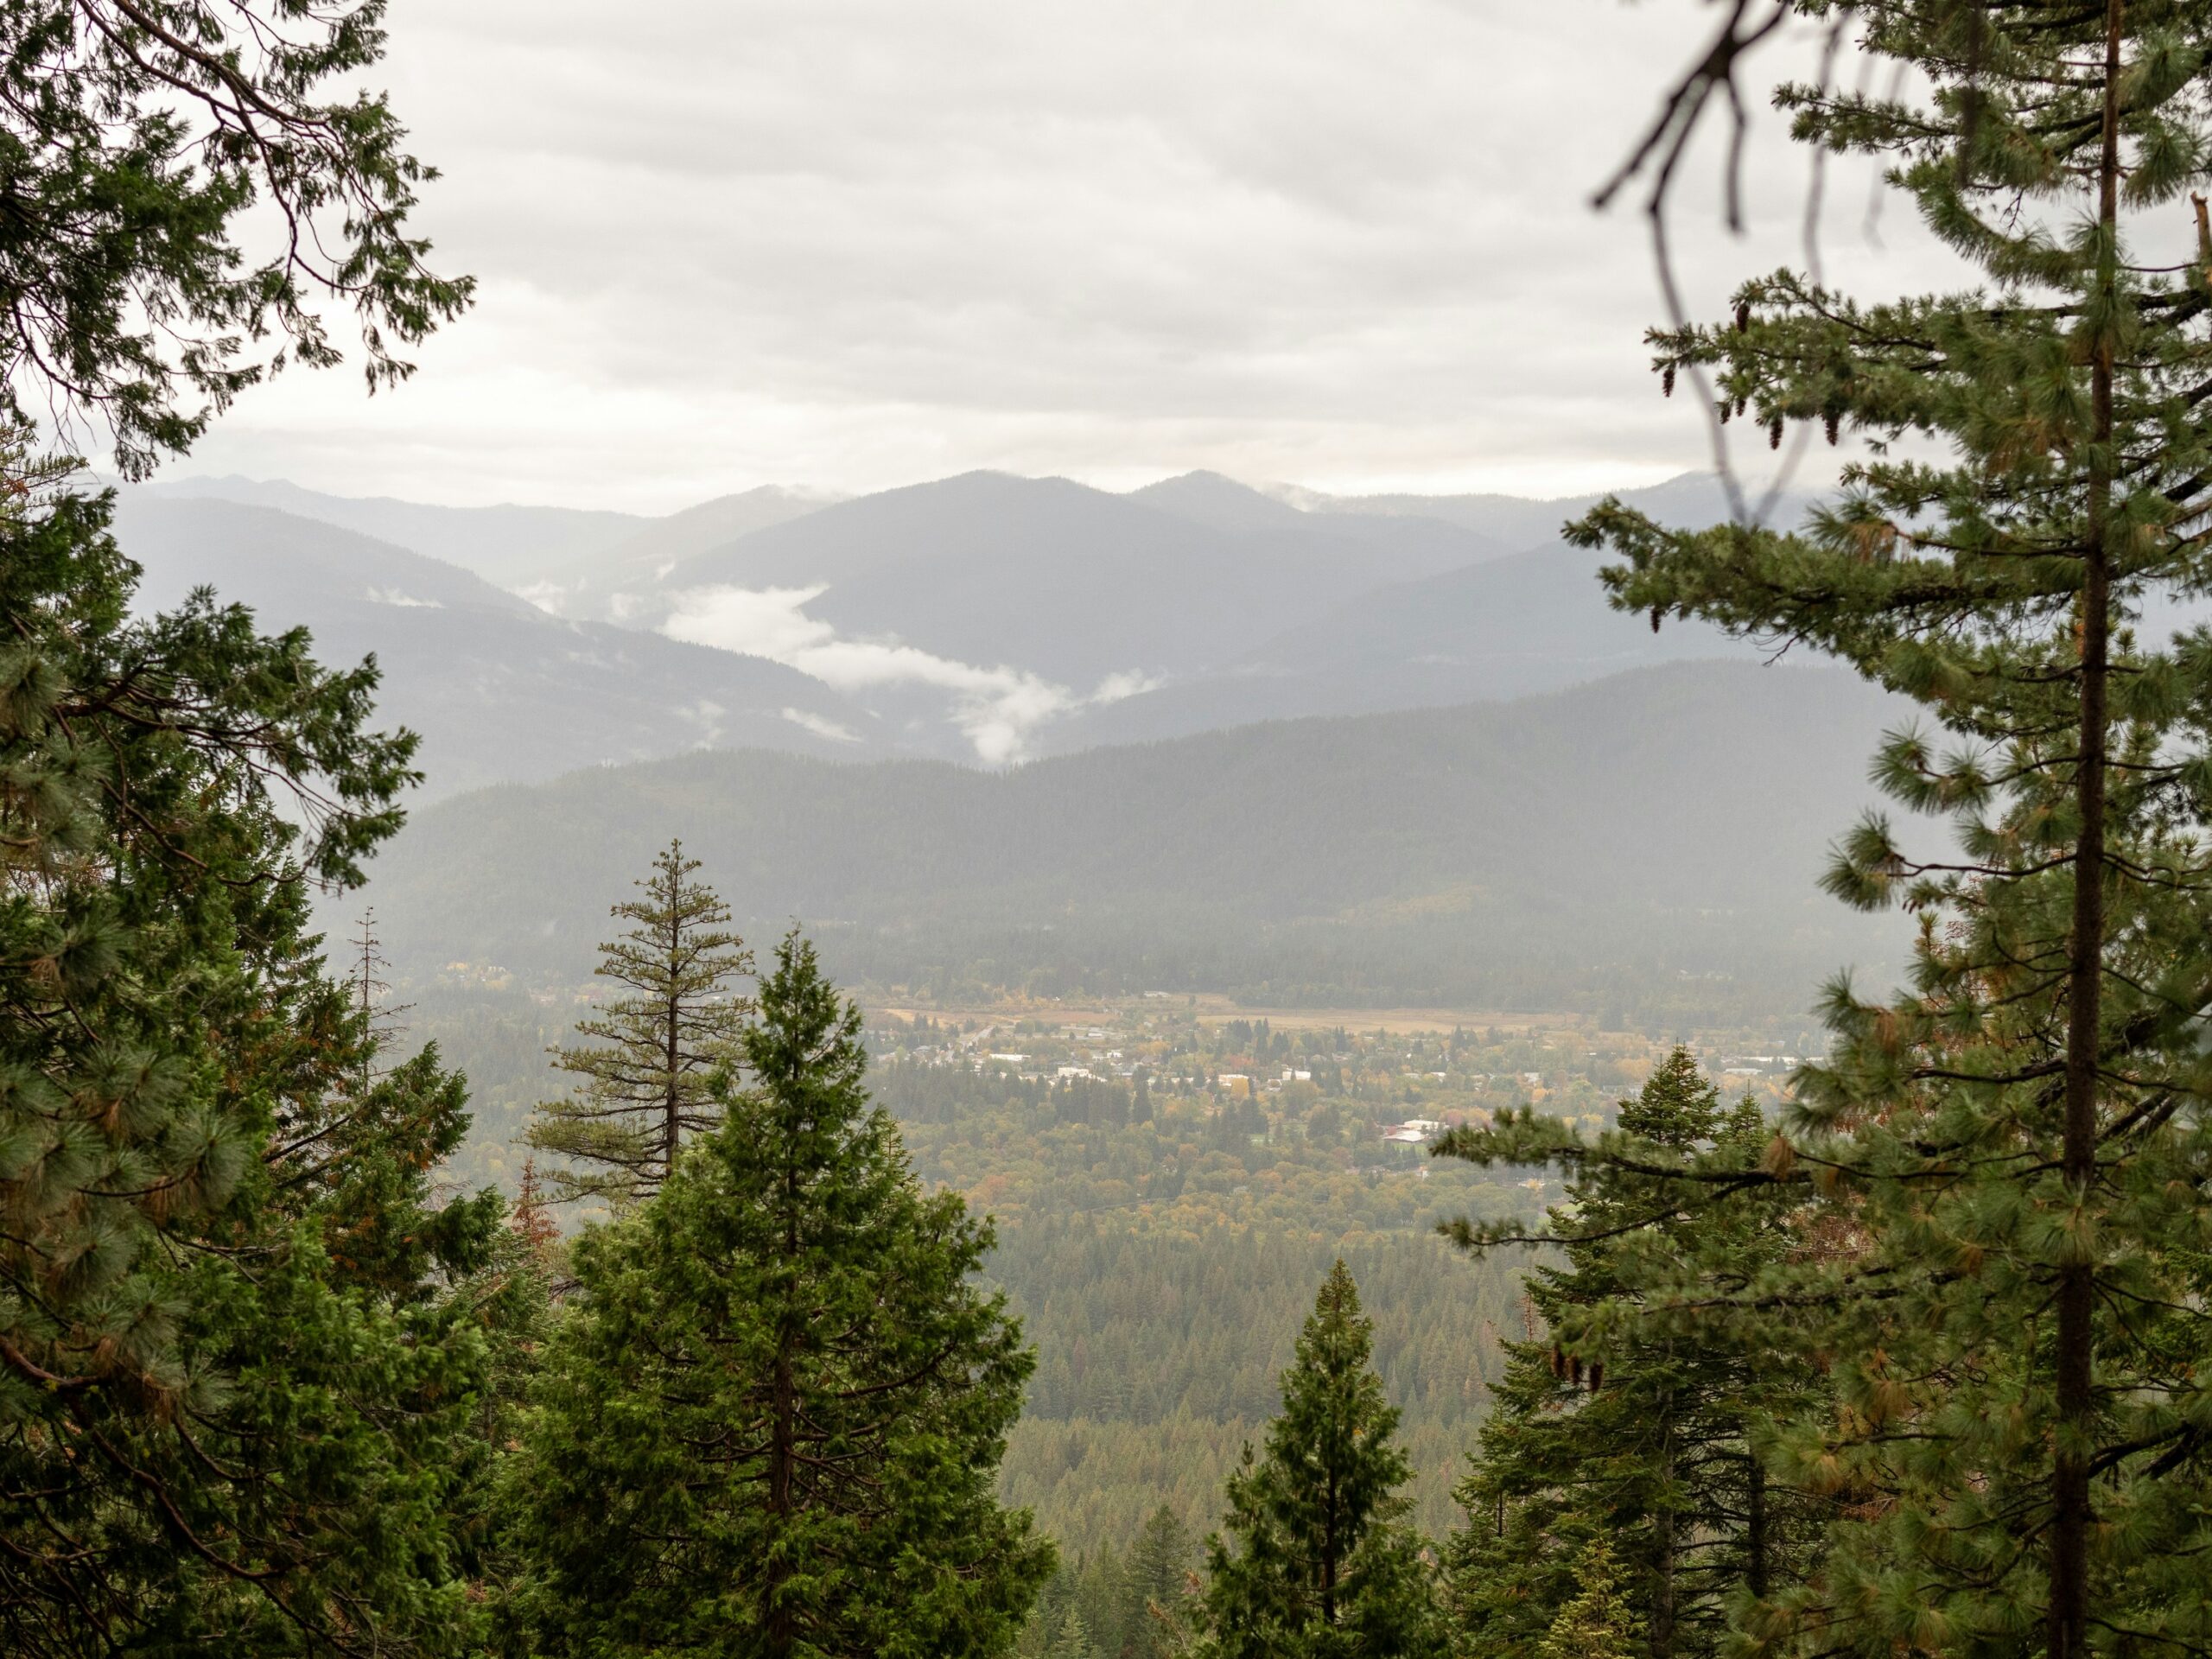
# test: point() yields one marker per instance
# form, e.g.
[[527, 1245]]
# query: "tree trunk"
[[1329, 1556], [1662, 1525], [2075, 1382], [673, 1100], [1755, 1544], [782, 1441], [782, 1626]]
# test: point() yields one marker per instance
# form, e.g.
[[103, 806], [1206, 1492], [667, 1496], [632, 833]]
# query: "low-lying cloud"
[[997, 710]]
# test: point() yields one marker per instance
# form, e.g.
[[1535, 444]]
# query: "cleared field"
[[1214, 1010]]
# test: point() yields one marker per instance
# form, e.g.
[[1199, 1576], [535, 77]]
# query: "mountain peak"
[[1218, 501]]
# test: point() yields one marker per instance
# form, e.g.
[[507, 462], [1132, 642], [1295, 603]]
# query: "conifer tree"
[[1160, 1584], [2015, 1141], [187, 177], [772, 1423], [1630, 1430], [1597, 1622], [644, 1076], [1316, 1559], [231, 1380], [232, 1373]]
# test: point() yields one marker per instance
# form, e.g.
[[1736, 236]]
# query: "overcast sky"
[[858, 243]]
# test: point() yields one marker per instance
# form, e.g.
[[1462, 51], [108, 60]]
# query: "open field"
[[1210, 1010]]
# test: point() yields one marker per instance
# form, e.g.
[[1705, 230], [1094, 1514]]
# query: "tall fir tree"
[[1314, 1557], [1161, 1581], [231, 1371], [1612, 1423], [772, 1423], [644, 1077], [2015, 1141], [1598, 1621]]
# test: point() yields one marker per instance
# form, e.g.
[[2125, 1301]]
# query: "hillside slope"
[[1660, 828], [500, 690], [1533, 622], [1067, 582], [511, 545]]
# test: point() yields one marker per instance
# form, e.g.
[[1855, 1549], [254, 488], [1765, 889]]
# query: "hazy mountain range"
[[501, 691], [1649, 843], [980, 618], [1303, 748]]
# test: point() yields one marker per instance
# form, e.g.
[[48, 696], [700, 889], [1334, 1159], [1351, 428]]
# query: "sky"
[[854, 243]]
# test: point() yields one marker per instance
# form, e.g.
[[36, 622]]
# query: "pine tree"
[[1597, 1622], [232, 1373], [381, 1019], [1316, 1559], [1612, 1422], [532, 1220], [1074, 1641], [2015, 1141], [231, 1380], [771, 1424], [645, 1074], [1160, 1583]]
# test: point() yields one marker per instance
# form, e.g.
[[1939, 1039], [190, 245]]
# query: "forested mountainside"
[[1649, 843], [498, 690], [758, 1319]]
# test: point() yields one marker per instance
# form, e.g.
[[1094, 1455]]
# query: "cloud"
[[820, 726], [858, 243], [1116, 687], [996, 709]]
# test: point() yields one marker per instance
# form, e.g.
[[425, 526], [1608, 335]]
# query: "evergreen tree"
[[646, 1076], [1597, 1622], [1160, 1584], [231, 1376], [143, 137], [1317, 1560], [772, 1423], [1075, 1639], [2016, 1140], [1613, 1424], [233, 1370]]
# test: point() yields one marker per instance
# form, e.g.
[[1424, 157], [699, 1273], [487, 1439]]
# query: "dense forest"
[[1127, 1330]]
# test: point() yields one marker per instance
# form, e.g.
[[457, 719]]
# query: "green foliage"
[[1158, 1357], [1317, 1560], [1132, 1606], [646, 1076], [2006, 1273], [139, 137], [771, 1424], [1597, 1622], [232, 1375], [1615, 1423]]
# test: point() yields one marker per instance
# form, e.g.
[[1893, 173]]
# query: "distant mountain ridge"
[[1511, 628], [500, 690], [995, 618], [1664, 827], [508, 545]]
